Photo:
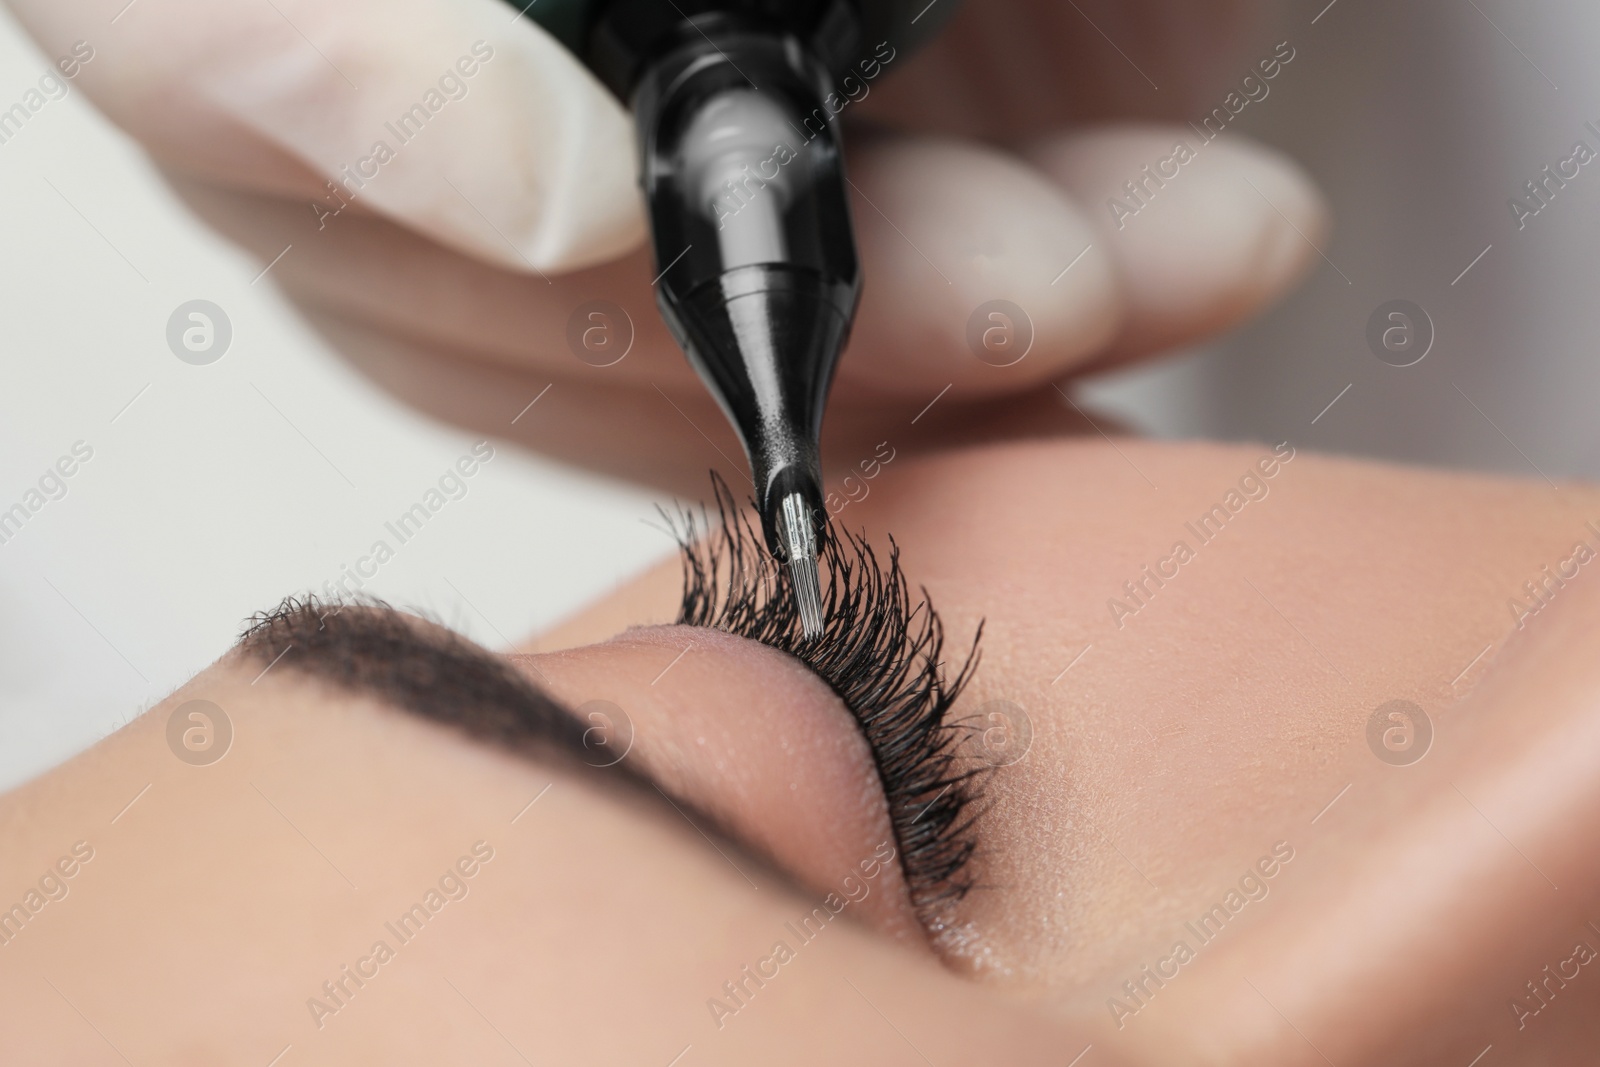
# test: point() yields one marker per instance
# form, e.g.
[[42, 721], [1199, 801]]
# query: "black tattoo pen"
[[735, 103]]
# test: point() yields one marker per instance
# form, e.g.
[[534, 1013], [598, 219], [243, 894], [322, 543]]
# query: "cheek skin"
[[753, 739]]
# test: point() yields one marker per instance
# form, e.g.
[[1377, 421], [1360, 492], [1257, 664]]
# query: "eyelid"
[[754, 740], [881, 654]]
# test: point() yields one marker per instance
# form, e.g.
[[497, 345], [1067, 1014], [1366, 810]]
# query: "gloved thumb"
[[462, 119]]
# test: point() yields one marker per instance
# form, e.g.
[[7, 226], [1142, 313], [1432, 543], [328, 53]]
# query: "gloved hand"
[[457, 195]]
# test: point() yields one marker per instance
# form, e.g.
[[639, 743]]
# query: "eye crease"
[[880, 652]]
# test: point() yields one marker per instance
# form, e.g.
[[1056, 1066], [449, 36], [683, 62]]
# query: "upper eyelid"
[[873, 624]]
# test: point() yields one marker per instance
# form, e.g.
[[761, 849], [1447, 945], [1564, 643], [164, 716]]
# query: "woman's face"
[[1182, 650]]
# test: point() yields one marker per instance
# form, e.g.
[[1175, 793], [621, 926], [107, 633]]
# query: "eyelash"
[[880, 653]]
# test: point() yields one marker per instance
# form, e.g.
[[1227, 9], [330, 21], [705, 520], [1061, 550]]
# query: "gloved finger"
[[461, 119], [973, 256], [945, 229], [367, 269], [1203, 235], [994, 227], [494, 351], [665, 439], [981, 274]]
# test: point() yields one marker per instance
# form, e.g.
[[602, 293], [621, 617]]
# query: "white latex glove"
[[527, 163], [454, 273]]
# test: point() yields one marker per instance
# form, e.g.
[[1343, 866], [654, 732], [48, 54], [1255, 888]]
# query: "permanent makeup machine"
[[735, 103]]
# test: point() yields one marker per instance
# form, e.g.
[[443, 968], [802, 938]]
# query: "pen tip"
[[799, 541]]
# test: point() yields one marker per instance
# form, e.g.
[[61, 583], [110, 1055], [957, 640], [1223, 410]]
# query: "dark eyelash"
[[881, 654]]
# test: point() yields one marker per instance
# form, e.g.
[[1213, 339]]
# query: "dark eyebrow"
[[422, 667]]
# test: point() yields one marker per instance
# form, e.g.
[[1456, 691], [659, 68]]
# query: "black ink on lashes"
[[881, 653]]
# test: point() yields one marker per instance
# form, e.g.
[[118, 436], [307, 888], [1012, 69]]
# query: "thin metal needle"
[[800, 544]]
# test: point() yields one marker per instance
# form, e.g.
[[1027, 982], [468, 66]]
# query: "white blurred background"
[[214, 490]]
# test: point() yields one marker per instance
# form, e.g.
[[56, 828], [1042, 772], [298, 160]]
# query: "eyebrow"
[[424, 668]]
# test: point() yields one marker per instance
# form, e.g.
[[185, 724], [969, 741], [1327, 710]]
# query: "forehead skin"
[[1186, 738]]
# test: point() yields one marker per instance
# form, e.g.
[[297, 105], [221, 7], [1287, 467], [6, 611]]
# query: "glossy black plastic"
[[736, 103], [619, 39], [745, 184]]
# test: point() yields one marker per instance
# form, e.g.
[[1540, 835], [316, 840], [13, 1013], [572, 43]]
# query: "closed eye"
[[879, 657], [880, 653]]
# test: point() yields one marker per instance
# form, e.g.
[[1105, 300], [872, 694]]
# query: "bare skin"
[[1210, 731], [1218, 725]]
